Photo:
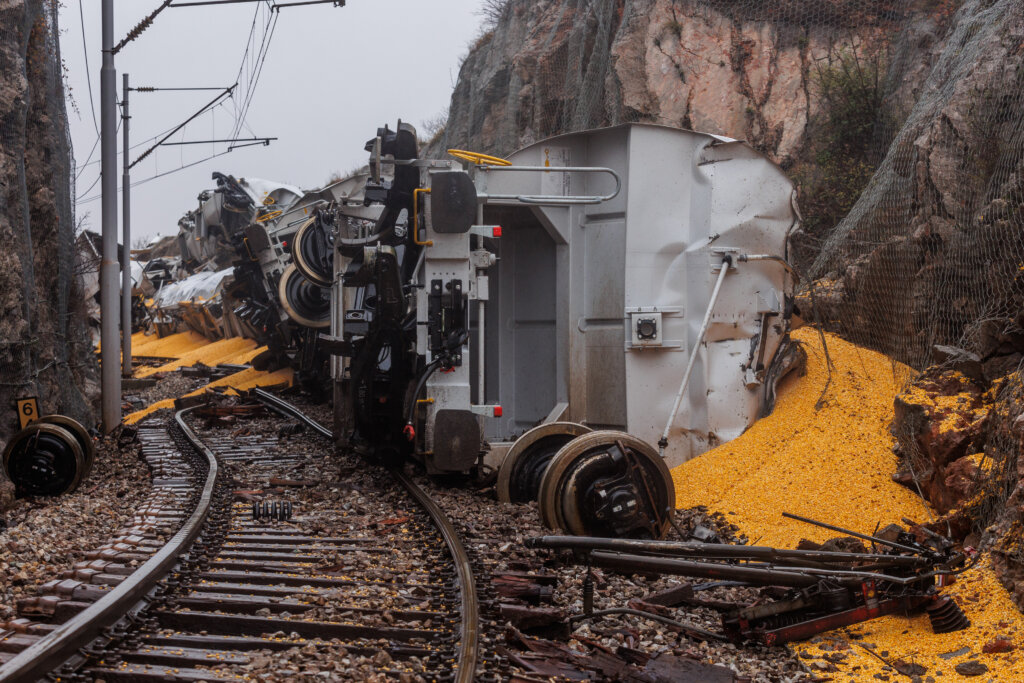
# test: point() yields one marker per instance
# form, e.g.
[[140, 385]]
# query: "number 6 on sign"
[[28, 411]]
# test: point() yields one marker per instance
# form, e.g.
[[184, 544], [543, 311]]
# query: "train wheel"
[[523, 467], [81, 434], [608, 484], [44, 459], [312, 253], [306, 303]]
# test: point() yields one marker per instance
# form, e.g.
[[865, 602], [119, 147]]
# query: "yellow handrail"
[[478, 157], [269, 216]]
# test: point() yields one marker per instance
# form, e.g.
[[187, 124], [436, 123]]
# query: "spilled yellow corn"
[[834, 464], [231, 350], [171, 346]]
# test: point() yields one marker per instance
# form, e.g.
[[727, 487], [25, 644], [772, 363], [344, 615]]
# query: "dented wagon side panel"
[[648, 256]]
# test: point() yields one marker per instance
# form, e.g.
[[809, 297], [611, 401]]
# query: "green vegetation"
[[844, 137]]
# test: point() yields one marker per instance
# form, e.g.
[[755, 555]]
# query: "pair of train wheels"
[[49, 457], [590, 483], [305, 286]]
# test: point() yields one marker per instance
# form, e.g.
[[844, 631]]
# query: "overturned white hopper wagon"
[[595, 309], [632, 312]]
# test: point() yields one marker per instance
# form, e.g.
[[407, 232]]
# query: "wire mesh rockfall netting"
[[44, 351], [932, 252], [899, 120]]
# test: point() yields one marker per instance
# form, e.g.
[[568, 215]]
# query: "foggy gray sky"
[[331, 76]]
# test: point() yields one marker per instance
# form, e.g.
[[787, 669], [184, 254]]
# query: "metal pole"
[[126, 231], [481, 308], [109, 309], [663, 442]]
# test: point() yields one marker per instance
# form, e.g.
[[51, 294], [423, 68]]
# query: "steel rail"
[[469, 609], [765, 575], [56, 648], [718, 551]]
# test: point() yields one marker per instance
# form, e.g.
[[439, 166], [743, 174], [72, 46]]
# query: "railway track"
[[204, 588]]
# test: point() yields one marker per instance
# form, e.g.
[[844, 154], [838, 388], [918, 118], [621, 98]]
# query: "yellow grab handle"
[[478, 157], [416, 218], [269, 216]]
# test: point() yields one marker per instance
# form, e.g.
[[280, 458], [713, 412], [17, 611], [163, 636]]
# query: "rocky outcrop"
[[716, 66], [930, 253], [959, 428], [900, 121], [941, 424], [44, 350]]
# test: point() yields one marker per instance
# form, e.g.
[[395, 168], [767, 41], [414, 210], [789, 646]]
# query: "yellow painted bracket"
[[478, 157], [416, 218], [248, 249]]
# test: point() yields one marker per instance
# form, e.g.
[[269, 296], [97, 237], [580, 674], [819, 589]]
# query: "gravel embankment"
[[494, 532], [46, 536]]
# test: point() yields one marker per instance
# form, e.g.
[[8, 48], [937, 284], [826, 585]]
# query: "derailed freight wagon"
[[634, 296]]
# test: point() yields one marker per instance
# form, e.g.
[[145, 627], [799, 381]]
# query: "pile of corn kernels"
[[826, 453]]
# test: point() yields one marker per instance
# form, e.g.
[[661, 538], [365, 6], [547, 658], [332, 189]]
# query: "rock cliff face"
[[820, 87], [900, 120], [930, 252], [43, 348], [959, 427], [716, 66]]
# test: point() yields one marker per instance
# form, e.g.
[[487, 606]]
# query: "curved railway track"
[[227, 585]]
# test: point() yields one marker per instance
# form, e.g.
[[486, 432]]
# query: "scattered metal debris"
[[276, 510], [806, 591]]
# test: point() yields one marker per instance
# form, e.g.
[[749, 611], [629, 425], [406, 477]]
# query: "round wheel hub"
[[44, 460], [608, 484]]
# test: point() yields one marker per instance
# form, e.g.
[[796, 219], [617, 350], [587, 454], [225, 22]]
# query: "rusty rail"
[[53, 650], [469, 609]]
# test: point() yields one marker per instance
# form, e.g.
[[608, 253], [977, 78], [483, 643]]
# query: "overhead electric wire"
[[252, 31], [275, 6], [161, 174], [88, 77], [145, 141], [259, 71], [81, 169], [98, 176], [88, 80], [148, 88], [210, 142], [255, 72], [240, 111], [212, 103], [245, 57]]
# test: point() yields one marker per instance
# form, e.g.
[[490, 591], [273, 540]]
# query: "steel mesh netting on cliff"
[[932, 252], [899, 121], [44, 351], [901, 124]]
